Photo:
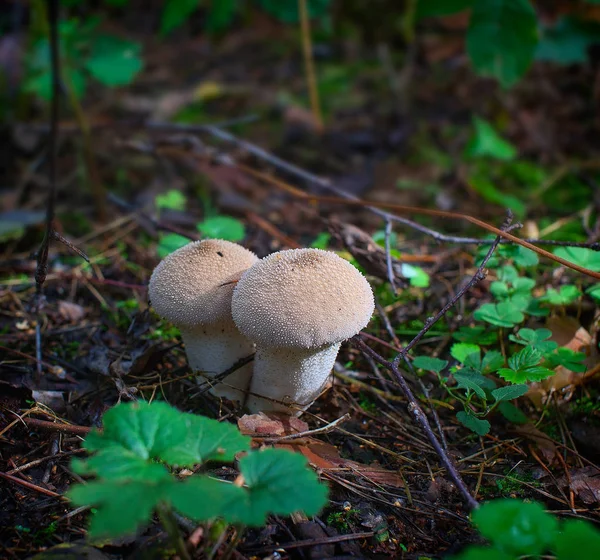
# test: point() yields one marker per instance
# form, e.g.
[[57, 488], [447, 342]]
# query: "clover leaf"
[[581, 256], [501, 314], [537, 339]]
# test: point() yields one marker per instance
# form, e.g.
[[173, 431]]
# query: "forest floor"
[[391, 496]]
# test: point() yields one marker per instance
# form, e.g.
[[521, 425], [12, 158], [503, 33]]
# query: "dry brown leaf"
[[540, 439], [585, 483], [71, 311], [272, 424], [567, 333]]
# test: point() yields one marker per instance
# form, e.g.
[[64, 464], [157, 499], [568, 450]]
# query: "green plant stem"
[[307, 50], [168, 521], [239, 530], [96, 185]]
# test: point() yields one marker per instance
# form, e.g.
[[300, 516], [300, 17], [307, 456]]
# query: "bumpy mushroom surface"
[[298, 306], [192, 287]]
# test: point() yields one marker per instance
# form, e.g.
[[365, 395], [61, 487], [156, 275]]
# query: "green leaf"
[[286, 11], [502, 38], [430, 364], [594, 291], [202, 498], [222, 227], [122, 506], [566, 42], [512, 413], [537, 339], [577, 540], [417, 277], [476, 334], [220, 15], [486, 142], [278, 481], [509, 392], [501, 314], [515, 527], [461, 350], [175, 13], [159, 431], [114, 61], [567, 358], [172, 200], [581, 256], [492, 361], [169, 242], [321, 241], [483, 553], [480, 427], [565, 296], [469, 382], [526, 357], [440, 8]]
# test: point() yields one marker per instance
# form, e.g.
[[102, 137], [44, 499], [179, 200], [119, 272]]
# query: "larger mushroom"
[[192, 288], [298, 306]]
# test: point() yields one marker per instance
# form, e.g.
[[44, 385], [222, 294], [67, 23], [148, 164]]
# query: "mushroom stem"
[[213, 350], [295, 376]]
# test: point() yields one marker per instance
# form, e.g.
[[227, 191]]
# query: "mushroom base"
[[294, 377], [215, 348]]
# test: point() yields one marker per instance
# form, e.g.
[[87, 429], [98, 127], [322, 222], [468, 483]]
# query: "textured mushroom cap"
[[302, 298], [187, 286]]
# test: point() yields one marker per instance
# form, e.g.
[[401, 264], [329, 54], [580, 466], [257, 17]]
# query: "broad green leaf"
[[438, 8], [476, 334], [114, 61], [480, 427], [416, 275], [321, 241], [526, 357], [202, 498], [523, 285], [220, 15], [566, 42], [469, 382], [516, 527], [533, 373], [537, 339], [522, 256], [499, 289], [121, 506], [581, 256], [278, 481], [119, 463], [512, 413], [508, 273], [430, 364], [461, 350], [501, 314], [509, 392], [483, 553], [594, 291], [565, 296], [222, 227], [175, 13], [172, 199], [492, 361], [170, 242], [159, 431], [481, 182], [486, 142], [286, 11], [577, 540], [502, 38], [567, 358]]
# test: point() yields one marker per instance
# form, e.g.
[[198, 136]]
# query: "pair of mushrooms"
[[294, 307]]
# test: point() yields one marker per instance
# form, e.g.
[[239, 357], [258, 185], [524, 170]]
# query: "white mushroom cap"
[[190, 286], [303, 298]]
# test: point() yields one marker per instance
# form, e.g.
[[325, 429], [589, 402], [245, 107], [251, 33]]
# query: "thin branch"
[[312, 179], [413, 404], [388, 256]]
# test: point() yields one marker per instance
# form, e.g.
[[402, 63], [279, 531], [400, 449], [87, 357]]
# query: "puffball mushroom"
[[192, 288], [298, 306]]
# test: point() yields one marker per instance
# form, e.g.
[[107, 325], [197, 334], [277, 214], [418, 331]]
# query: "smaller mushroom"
[[192, 288], [298, 306]]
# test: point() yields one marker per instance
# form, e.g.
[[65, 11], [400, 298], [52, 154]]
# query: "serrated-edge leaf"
[[467, 382], [430, 364], [480, 427], [509, 392]]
